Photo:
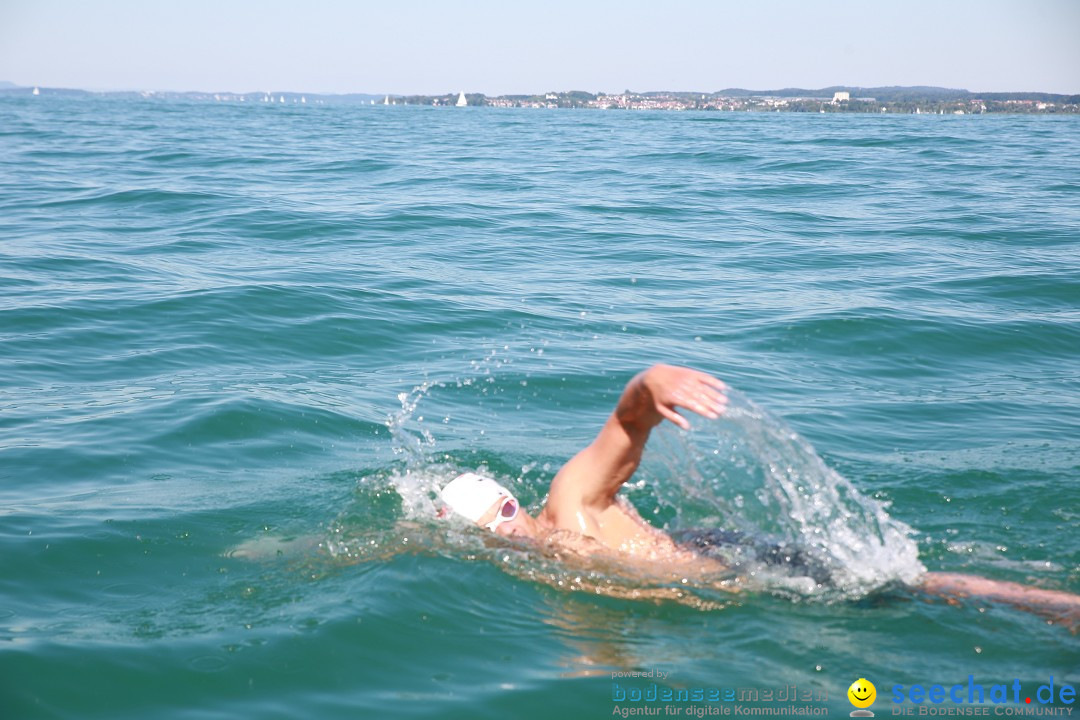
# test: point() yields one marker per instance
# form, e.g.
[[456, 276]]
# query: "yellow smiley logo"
[[862, 693]]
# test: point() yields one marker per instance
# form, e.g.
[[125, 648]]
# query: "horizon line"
[[17, 86]]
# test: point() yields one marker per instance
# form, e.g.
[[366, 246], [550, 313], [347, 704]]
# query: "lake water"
[[242, 344]]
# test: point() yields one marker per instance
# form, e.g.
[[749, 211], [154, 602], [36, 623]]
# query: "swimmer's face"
[[512, 520], [862, 693]]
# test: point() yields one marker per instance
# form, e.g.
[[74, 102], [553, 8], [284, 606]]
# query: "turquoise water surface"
[[242, 345]]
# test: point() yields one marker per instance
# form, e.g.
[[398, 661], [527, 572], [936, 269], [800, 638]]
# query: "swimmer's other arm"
[[1055, 605], [593, 476]]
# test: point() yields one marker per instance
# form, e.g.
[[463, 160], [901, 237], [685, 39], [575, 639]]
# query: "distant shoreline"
[[896, 100]]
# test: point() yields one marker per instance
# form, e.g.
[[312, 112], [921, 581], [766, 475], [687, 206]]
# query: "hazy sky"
[[526, 46]]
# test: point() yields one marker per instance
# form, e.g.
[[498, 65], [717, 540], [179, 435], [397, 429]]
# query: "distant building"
[[841, 96]]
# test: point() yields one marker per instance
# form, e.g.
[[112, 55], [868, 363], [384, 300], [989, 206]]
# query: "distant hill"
[[9, 89], [890, 94], [275, 95], [895, 93]]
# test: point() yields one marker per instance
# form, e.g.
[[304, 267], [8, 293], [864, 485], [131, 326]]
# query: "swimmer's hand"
[[662, 389], [582, 495]]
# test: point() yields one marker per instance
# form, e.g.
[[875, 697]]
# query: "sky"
[[527, 46]]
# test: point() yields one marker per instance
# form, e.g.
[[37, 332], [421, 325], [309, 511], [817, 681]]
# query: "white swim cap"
[[471, 495]]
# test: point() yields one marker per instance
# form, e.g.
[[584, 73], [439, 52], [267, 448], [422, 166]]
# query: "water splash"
[[413, 445], [747, 474], [750, 473]]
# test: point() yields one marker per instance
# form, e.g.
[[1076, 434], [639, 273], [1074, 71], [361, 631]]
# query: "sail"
[[461, 101]]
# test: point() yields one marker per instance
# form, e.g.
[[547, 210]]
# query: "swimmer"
[[583, 509], [584, 512]]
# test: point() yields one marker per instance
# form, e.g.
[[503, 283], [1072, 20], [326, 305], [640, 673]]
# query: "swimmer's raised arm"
[[593, 476]]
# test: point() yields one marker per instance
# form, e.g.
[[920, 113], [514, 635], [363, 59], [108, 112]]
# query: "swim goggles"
[[508, 510]]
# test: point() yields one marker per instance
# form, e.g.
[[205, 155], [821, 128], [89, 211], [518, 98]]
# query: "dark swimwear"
[[737, 548]]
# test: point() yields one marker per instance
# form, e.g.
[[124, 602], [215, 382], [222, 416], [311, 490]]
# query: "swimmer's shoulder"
[[564, 540]]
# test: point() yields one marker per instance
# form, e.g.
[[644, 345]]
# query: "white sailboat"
[[36, 91], [386, 100], [461, 101]]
